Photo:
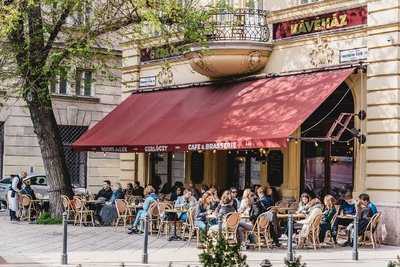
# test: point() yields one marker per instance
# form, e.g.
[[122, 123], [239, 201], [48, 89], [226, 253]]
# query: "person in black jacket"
[[261, 205], [106, 192]]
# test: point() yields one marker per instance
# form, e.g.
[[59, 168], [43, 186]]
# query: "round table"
[[174, 236]]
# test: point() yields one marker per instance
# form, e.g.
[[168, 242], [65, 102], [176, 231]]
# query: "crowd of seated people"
[[209, 206]]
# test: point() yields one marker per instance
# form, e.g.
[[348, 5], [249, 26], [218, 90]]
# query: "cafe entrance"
[[327, 167]]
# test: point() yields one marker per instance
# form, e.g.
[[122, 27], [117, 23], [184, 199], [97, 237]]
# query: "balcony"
[[237, 46]]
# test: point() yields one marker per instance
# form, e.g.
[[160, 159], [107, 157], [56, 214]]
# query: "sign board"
[[149, 81], [325, 22], [355, 54]]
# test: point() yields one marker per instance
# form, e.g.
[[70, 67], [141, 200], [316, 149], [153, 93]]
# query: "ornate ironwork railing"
[[236, 24], [240, 24]]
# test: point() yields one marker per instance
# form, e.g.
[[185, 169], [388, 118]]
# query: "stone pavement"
[[23, 244]]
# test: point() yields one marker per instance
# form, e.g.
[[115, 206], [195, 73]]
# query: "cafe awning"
[[260, 113]]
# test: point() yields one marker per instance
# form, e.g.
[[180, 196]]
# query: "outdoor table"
[[346, 217], [174, 236], [297, 216], [285, 209]]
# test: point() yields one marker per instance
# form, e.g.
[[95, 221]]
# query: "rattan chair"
[[313, 235], [82, 212], [191, 227], [68, 206], [164, 223], [154, 216], [27, 207], [261, 230], [370, 233], [232, 221], [123, 212]]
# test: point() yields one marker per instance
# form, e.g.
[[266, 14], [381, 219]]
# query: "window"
[[59, 85], [83, 82], [82, 16], [39, 180], [1, 148], [76, 161]]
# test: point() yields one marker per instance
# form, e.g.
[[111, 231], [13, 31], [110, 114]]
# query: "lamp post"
[[355, 238]]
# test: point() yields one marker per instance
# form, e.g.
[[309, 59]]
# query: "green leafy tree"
[[394, 263], [42, 39], [219, 253]]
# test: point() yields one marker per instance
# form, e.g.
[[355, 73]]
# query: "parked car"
[[38, 184]]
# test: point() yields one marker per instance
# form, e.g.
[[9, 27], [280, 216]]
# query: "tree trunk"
[[45, 127]]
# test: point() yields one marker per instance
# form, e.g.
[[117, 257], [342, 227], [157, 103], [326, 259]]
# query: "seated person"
[[224, 207], [329, 212], [364, 198], [347, 207], [261, 204], [27, 190], [151, 197], [185, 201], [176, 193], [200, 218], [137, 189], [108, 212], [364, 213], [215, 202], [106, 192], [304, 200], [247, 202], [315, 209], [235, 197], [129, 190]]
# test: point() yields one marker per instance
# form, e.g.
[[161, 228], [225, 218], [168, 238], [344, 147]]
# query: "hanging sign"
[[355, 54], [330, 21]]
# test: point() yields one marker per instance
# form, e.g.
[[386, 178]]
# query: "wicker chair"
[[82, 212], [261, 231], [164, 223], [123, 212], [232, 221], [370, 233], [27, 207], [68, 206], [313, 235], [190, 226], [154, 216]]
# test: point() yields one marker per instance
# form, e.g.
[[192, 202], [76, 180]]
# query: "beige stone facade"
[[376, 163], [21, 149]]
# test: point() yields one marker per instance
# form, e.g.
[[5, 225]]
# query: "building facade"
[[283, 38], [79, 101]]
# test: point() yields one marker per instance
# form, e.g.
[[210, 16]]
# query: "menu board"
[[275, 168]]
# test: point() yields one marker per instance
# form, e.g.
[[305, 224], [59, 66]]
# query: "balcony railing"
[[240, 24], [236, 24]]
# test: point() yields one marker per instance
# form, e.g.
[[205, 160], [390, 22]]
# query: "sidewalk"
[[23, 244]]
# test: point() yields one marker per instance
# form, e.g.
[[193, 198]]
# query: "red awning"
[[253, 114]]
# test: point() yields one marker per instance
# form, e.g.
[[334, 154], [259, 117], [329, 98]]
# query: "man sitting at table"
[[106, 192], [27, 190], [347, 207], [137, 189], [365, 211], [186, 201]]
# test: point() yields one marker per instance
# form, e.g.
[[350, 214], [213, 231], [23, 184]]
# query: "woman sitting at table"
[[202, 211], [176, 193], [329, 212], [151, 197], [247, 202], [315, 208], [215, 201], [224, 207], [304, 200]]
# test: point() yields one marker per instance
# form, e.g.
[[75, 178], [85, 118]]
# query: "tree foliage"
[[42, 39]]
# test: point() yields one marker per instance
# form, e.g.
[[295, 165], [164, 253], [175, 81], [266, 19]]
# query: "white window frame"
[[81, 90]]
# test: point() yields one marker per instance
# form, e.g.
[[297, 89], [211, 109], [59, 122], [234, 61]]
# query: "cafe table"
[[296, 216], [175, 212], [346, 216]]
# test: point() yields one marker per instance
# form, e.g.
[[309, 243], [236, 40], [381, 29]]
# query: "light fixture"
[[315, 143], [173, 155], [104, 154], [214, 151], [229, 152]]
